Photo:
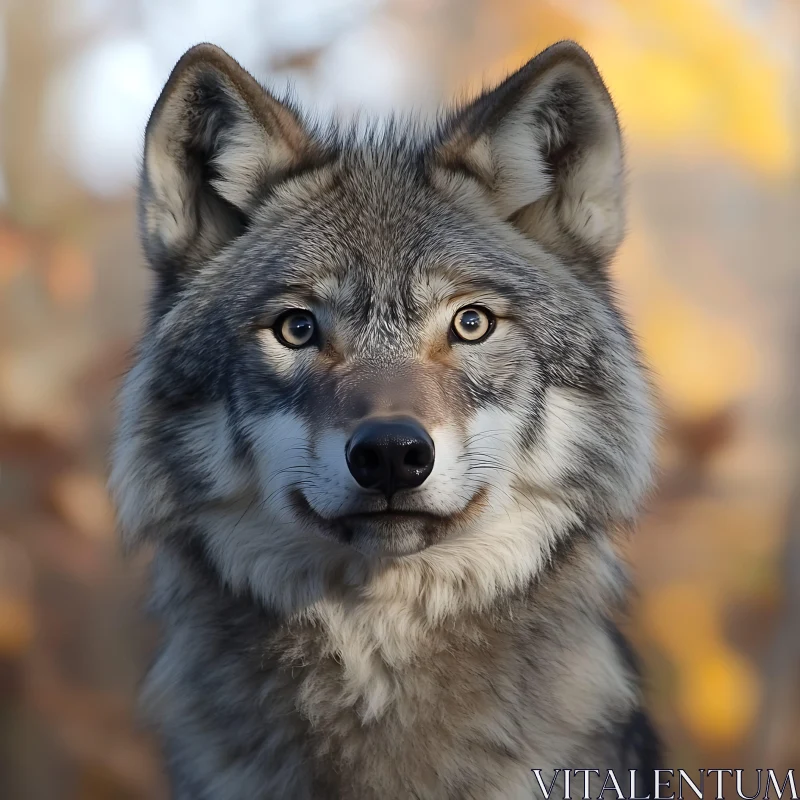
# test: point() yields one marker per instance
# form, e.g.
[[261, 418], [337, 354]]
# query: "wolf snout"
[[389, 454]]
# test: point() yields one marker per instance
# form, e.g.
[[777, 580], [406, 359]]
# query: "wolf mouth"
[[431, 527], [387, 515], [391, 515]]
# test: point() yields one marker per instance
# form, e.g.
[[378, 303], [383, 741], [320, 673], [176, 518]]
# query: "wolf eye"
[[473, 324], [295, 328]]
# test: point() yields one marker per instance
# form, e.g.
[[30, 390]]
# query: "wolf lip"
[[385, 515], [391, 515]]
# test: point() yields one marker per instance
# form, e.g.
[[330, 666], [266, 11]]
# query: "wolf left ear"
[[546, 145], [215, 144]]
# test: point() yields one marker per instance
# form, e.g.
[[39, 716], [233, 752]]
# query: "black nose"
[[390, 454]]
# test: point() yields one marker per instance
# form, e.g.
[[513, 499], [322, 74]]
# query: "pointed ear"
[[546, 146], [215, 144]]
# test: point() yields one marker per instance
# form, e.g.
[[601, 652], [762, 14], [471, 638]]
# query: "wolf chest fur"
[[382, 427]]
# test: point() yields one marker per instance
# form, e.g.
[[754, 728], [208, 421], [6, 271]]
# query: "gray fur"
[[307, 654]]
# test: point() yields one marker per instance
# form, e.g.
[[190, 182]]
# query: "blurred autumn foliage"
[[709, 274]]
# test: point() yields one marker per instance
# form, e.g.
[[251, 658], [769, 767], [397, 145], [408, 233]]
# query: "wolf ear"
[[546, 145], [215, 143]]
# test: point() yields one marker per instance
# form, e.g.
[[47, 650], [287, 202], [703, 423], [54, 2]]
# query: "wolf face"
[[386, 362]]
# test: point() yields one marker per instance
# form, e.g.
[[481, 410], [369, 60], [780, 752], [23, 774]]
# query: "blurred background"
[[707, 91]]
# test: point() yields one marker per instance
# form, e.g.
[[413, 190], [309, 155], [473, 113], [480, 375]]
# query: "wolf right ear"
[[215, 143], [546, 146]]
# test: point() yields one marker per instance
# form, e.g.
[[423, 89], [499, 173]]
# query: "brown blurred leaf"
[[15, 251], [16, 625], [69, 275], [81, 499], [16, 614]]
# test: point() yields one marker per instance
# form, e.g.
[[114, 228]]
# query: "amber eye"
[[295, 328], [473, 324]]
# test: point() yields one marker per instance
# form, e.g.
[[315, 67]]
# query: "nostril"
[[416, 457], [365, 458]]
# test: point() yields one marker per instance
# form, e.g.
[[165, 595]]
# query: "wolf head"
[[382, 353]]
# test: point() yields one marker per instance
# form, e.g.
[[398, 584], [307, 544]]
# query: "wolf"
[[383, 428]]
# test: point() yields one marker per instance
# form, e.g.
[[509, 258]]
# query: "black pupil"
[[471, 321], [300, 327]]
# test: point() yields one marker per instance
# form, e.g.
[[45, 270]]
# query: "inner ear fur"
[[215, 144], [546, 146]]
